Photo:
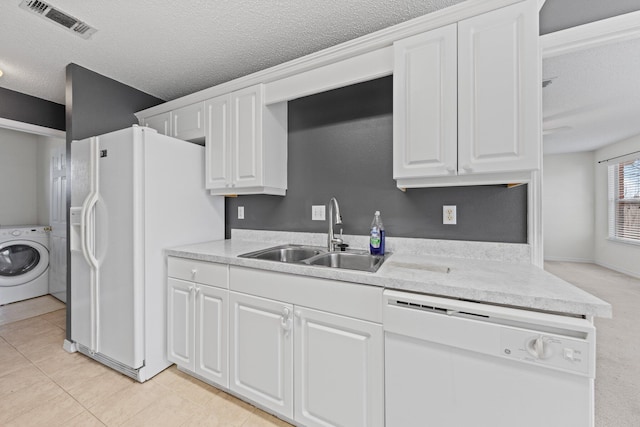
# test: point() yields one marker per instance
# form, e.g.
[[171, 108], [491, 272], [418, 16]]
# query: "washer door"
[[22, 261]]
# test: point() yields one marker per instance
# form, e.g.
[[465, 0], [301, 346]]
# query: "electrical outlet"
[[449, 215], [240, 212], [318, 212]]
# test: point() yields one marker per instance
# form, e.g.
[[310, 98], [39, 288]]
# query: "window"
[[624, 200]]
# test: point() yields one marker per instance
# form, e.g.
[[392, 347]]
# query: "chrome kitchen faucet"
[[334, 219]]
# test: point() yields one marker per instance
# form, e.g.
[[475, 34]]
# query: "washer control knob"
[[16, 233]]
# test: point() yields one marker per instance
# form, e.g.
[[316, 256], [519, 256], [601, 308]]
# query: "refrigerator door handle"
[[87, 229], [87, 223]]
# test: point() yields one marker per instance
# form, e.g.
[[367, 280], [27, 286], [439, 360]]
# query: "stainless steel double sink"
[[318, 256]]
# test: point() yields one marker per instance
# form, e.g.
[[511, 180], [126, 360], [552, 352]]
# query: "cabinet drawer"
[[199, 271]]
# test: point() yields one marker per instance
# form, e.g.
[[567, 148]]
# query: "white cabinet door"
[[246, 144], [339, 370], [188, 122], [218, 140], [211, 334], [425, 105], [261, 351], [246, 136], [499, 91], [159, 122], [180, 322]]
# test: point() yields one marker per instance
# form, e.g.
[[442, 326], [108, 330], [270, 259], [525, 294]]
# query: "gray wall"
[[558, 15], [340, 144], [29, 109], [96, 104]]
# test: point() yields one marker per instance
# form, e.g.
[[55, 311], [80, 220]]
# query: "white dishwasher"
[[460, 363]]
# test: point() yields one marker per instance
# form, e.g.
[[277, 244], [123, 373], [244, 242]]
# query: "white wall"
[[615, 255], [18, 178], [568, 206], [25, 186]]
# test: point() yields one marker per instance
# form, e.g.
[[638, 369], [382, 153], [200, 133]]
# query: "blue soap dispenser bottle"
[[376, 235]]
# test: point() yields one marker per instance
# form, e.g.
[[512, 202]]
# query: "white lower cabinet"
[[338, 365], [180, 323], [211, 334], [197, 323], [261, 352], [317, 368]]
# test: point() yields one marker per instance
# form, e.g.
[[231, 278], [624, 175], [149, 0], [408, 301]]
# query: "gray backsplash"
[[340, 145]]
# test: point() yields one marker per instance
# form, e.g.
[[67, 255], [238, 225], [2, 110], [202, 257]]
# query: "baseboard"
[[564, 259], [69, 347], [618, 269]]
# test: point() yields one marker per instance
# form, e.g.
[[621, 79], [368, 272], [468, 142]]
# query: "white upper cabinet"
[[160, 122], [218, 143], [246, 138], [183, 123], [425, 105], [499, 91], [246, 144], [188, 122], [467, 100]]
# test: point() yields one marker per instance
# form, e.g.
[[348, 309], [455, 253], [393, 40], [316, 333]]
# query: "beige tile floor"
[[43, 385]]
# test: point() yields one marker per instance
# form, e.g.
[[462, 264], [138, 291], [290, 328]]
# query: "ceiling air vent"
[[65, 20]]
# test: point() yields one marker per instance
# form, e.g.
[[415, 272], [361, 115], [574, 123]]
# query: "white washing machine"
[[24, 262]]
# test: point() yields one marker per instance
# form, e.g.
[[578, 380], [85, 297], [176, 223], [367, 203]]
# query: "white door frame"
[[29, 128]]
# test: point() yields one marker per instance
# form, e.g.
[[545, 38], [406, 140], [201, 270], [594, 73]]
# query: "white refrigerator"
[[134, 192]]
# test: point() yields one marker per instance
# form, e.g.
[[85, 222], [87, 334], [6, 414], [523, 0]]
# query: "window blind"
[[624, 200]]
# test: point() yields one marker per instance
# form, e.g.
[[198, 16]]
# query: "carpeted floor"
[[617, 340]]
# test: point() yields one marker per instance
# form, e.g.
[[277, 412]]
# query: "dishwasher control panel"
[[560, 352]]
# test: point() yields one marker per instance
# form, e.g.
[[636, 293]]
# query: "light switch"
[[240, 212]]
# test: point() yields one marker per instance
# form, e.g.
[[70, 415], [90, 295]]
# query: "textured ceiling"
[[173, 48], [594, 98]]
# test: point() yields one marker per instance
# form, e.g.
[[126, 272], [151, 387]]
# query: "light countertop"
[[486, 273]]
